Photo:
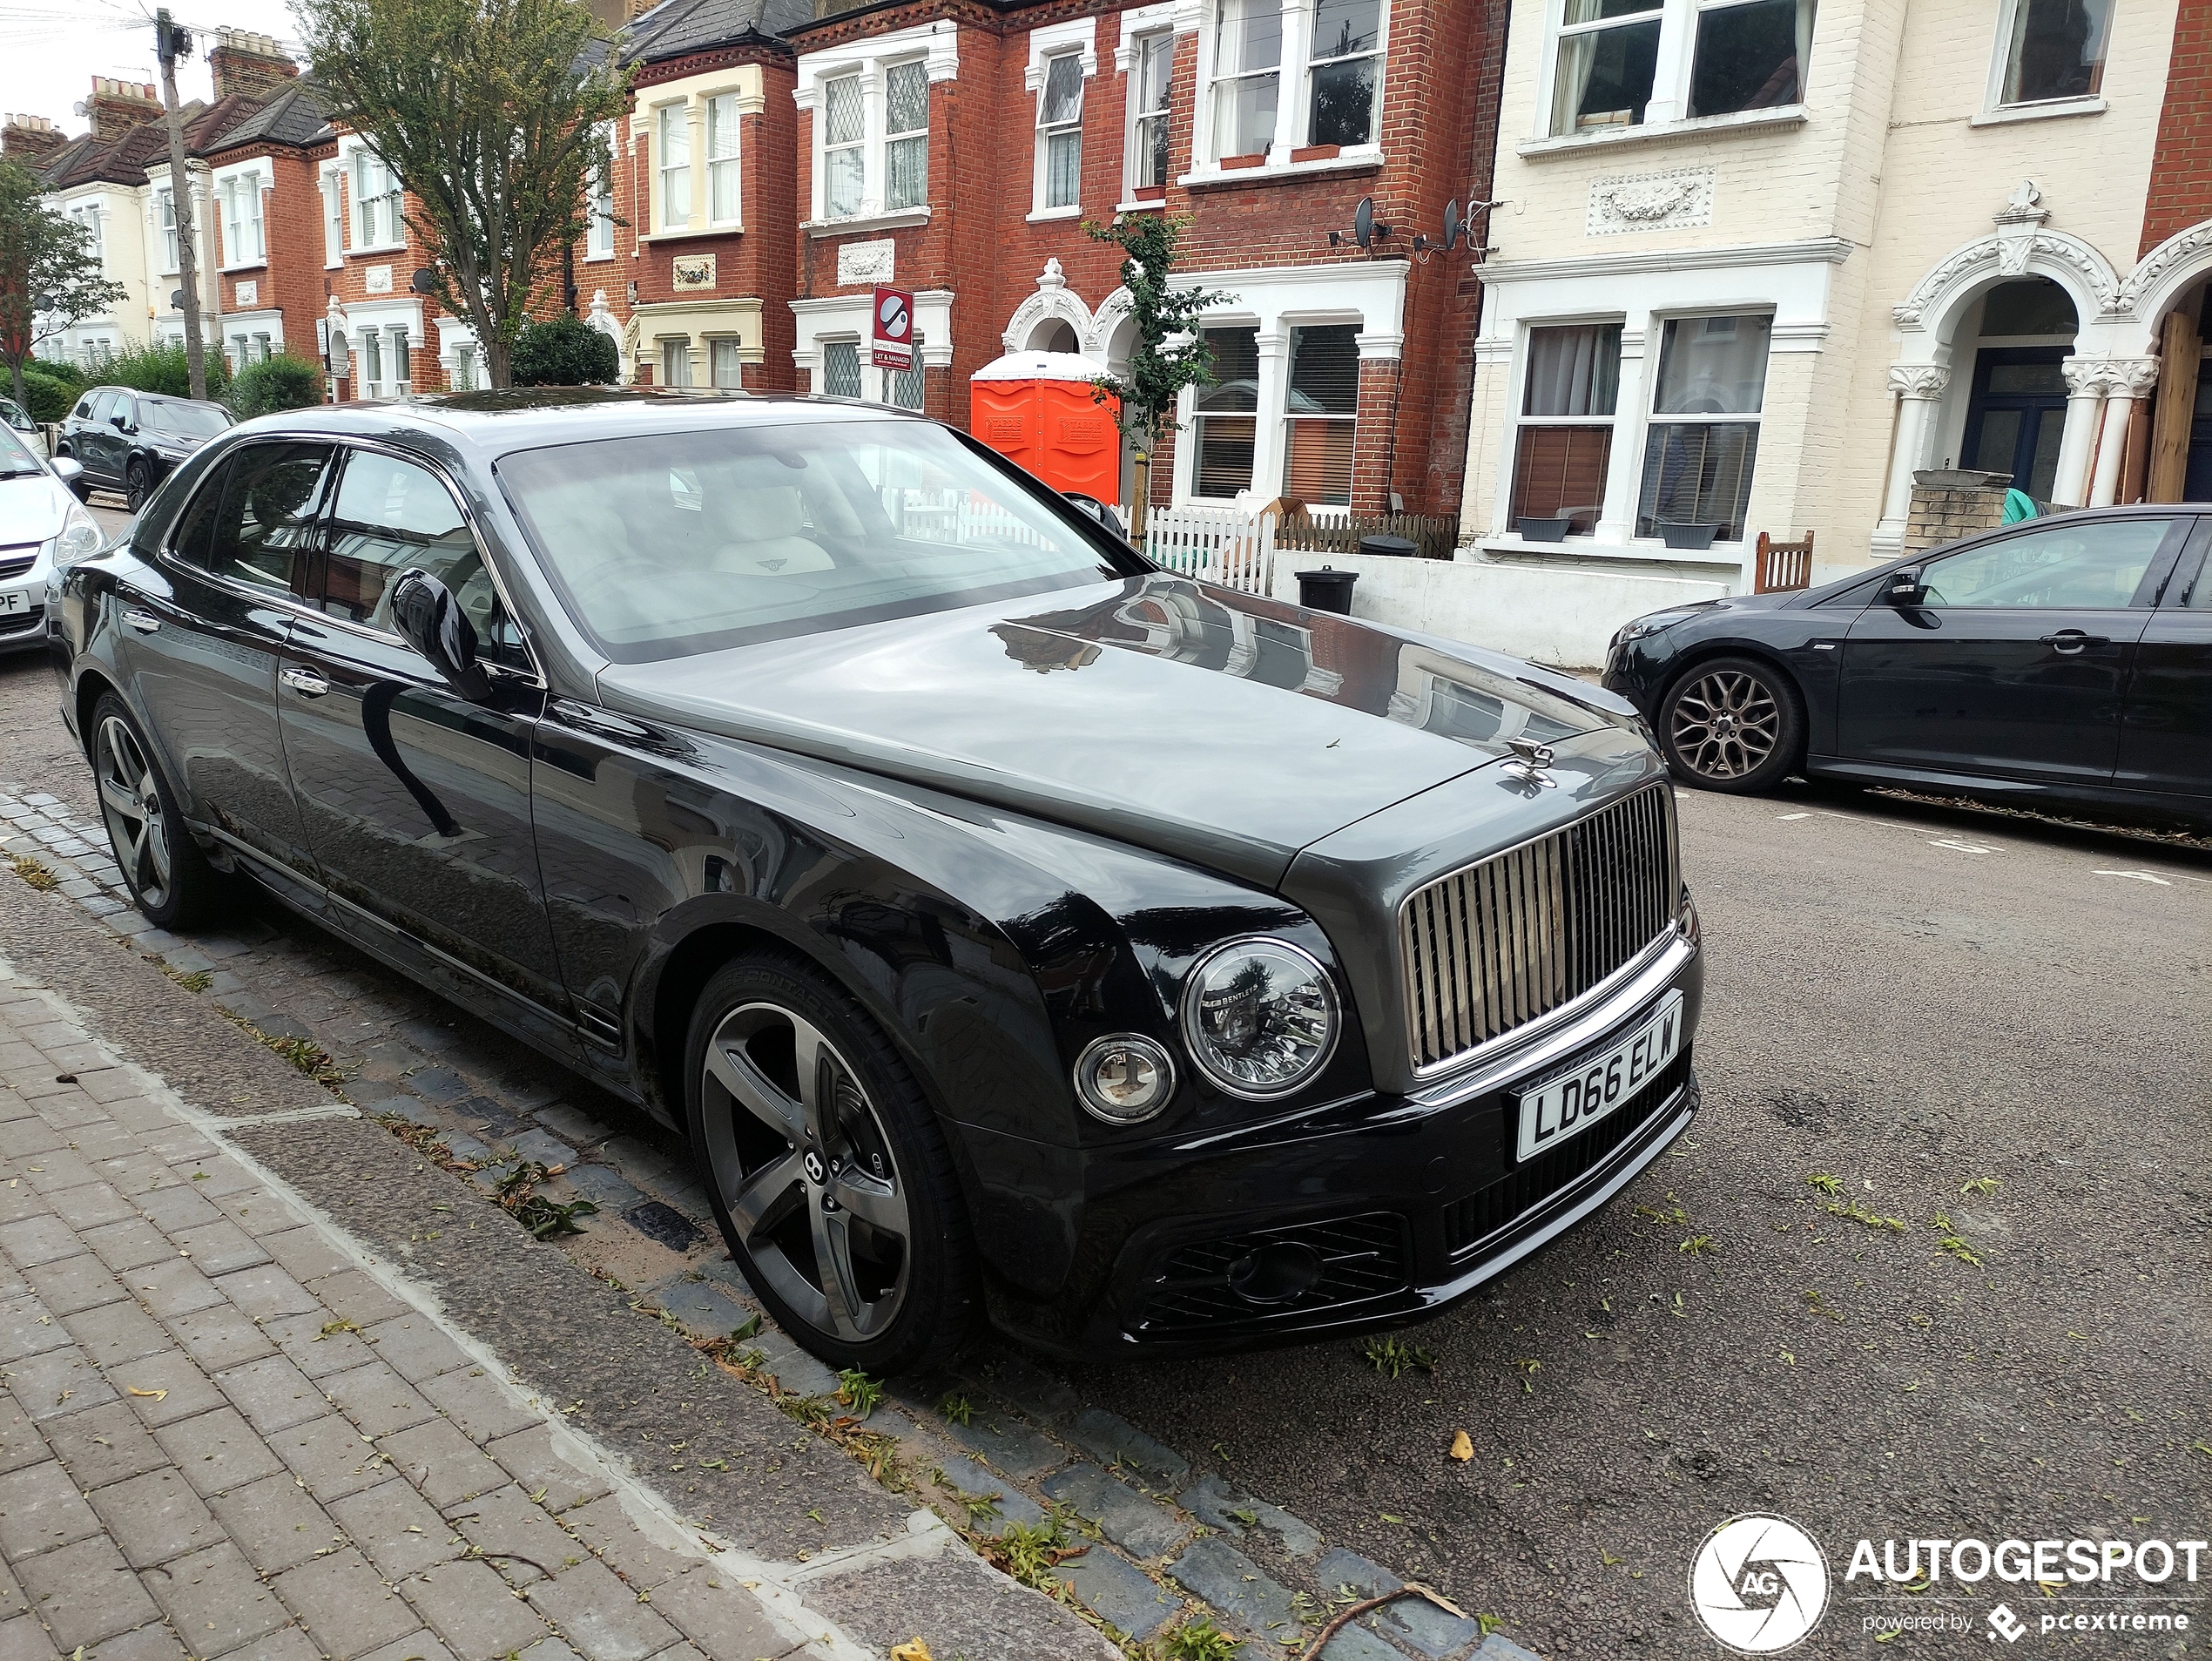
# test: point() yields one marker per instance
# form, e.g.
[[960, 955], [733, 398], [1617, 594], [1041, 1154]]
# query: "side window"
[[392, 516], [2095, 566], [254, 519], [83, 410], [103, 406], [126, 407]]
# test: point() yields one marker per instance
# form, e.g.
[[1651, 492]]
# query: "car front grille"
[[1361, 1258], [1468, 1222], [1511, 938], [14, 562]]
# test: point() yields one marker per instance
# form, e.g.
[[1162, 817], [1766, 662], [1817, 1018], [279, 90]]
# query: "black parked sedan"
[[128, 441], [2064, 660], [1006, 923]]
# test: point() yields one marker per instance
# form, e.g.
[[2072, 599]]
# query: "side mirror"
[[1098, 511], [119, 423], [431, 620], [67, 468], [1904, 588]]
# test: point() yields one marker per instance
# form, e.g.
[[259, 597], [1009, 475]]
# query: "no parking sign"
[[893, 346]]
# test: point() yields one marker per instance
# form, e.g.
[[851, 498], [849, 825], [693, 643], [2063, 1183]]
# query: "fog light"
[[1280, 1273], [1125, 1078]]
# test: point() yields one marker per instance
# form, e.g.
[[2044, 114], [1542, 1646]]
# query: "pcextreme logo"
[[1759, 1584]]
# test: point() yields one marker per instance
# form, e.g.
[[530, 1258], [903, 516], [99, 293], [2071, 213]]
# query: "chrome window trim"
[[534, 676], [1514, 1037]]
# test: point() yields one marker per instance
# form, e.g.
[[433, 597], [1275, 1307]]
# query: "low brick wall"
[[1952, 503]]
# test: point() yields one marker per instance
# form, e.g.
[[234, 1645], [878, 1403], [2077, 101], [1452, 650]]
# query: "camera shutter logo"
[[1759, 1584]]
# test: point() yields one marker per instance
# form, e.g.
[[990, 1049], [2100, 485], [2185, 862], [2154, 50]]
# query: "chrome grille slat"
[[1511, 938]]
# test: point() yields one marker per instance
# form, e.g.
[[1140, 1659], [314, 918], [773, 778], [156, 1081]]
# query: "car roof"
[[498, 423], [154, 397]]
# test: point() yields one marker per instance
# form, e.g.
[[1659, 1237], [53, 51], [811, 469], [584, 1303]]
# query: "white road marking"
[[1794, 816], [1963, 847], [2140, 876]]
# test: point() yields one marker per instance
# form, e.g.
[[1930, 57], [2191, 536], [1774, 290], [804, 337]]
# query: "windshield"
[[15, 455], [184, 421], [690, 542]]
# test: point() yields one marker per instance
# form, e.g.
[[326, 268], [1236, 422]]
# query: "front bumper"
[[1410, 1203], [26, 630]]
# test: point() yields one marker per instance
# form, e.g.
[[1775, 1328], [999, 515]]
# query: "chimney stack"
[[252, 65], [29, 138], [118, 106]]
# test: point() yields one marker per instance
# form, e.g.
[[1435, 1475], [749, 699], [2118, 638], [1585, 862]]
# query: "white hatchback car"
[[44, 529]]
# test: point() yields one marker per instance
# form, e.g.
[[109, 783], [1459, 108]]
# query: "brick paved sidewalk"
[[223, 1432]]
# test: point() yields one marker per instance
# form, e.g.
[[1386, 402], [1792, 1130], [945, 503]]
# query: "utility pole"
[[171, 42]]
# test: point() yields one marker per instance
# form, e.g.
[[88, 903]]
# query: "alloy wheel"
[[134, 486], [1725, 724], [798, 1154], [130, 802]]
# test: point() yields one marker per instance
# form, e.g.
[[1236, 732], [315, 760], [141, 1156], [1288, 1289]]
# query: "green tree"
[[565, 352], [1168, 353], [489, 111], [51, 275]]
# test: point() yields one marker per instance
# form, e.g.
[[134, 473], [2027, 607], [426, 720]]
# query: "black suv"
[[127, 440]]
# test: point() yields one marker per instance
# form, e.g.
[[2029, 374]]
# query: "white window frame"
[[93, 217], [375, 222], [935, 46], [1995, 109], [165, 229], [1676, 60], [1651, 421], [333, 216], [1293, 99], [244, 230], [1619, 422], [905, 135], [1134, 147], [1077, 39], [599, 208], [669, 119], [859, 146], [722, 110]]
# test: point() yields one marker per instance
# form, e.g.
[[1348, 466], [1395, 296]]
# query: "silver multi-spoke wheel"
[[130, 802], [1724, 724], [799, 1155]]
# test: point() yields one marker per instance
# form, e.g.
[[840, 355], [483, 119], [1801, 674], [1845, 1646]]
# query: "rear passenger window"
[[392, 516], [254, 521], [83, 410]]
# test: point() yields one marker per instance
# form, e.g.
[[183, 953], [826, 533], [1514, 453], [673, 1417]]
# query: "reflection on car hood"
[[1218, 728], [31, 509]]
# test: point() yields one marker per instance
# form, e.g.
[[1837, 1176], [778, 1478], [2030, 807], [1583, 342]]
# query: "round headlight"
[[1259, 1017], [1125, 1078]]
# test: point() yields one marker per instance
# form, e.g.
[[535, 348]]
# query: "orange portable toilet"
[[1038, 410]]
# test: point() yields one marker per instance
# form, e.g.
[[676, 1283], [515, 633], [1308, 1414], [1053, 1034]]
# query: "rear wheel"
[[136, 483], [827, 1169], [1732, 724], [168, 876]]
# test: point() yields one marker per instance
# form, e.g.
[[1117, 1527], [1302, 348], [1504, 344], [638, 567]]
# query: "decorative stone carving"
[[2185, 248], [377, 279], [2132, 377], [866, 262], [692, 273], [1925, 381], [2047, 247], [1681, 197], [2085, 377]]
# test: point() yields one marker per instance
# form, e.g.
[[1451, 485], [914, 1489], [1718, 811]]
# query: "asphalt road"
[[1917, 1004]]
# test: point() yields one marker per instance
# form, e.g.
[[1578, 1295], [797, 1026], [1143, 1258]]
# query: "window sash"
[[844, 130], [841, 368], [2089, 59], [333, 221], [722, 178], [168, 200], [676, 363], [1150, 92], [1060, 134], [726, 369], [673, 144], [599, 234]]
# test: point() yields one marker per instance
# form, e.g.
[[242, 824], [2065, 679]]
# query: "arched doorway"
[[2011, 346], [1053, 335]]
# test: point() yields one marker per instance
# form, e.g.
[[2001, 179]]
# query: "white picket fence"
[[1233, 546]]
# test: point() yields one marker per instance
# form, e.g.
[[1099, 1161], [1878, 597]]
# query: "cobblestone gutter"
[[1006, 1452]]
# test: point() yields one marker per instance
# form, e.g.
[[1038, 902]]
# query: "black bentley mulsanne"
[[1011, 926]]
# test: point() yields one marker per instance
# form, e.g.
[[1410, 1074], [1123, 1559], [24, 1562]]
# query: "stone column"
[[2085, 386], [2128, 379], [1616, 523], [1918, 386], [1270, 433]]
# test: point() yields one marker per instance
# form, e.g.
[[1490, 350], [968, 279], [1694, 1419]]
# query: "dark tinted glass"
[[392, 515], [1748, 57], [253, 521], [1235, 385], [2032, 306]]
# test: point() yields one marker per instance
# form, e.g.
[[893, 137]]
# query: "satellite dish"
[[425, 282], [177, 299], [1454, 227], [1362, 222]]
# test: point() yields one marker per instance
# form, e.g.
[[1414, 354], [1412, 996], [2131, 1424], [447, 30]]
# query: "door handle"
[[308, 683], [144, 622], [2072, 640]]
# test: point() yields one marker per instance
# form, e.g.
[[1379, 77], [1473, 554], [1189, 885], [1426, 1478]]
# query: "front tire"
[[170, 879], [1732, 724], [827, 1170], [136, 485]]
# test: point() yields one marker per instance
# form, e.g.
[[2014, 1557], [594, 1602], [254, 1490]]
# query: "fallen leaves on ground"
[[1462, 1446]]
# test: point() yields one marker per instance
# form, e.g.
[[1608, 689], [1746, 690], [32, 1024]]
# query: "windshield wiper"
[[21, 472]]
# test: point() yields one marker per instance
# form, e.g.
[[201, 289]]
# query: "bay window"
[[1060, 133], [240, 201], [1623, 63], [2054, 49], [1345, 61], [1247, 76], [1320, 413], [906, 135], [1565, 438], [376, 202], [845, 166], [599, 208], [1226, 429], [722, 158], [672, 162], [1703, 439], [1151, 79]]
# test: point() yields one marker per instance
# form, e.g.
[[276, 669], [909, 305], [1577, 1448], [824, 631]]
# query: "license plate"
[[1569, 1103], [15, 603]]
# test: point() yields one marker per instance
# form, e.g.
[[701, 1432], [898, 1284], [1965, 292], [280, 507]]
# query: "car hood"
[[1221, 728], [31, 509]]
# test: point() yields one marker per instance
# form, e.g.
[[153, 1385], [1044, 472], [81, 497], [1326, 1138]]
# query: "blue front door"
[[2016, 414]]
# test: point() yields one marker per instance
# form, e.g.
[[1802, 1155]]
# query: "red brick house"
[[954, 148]]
